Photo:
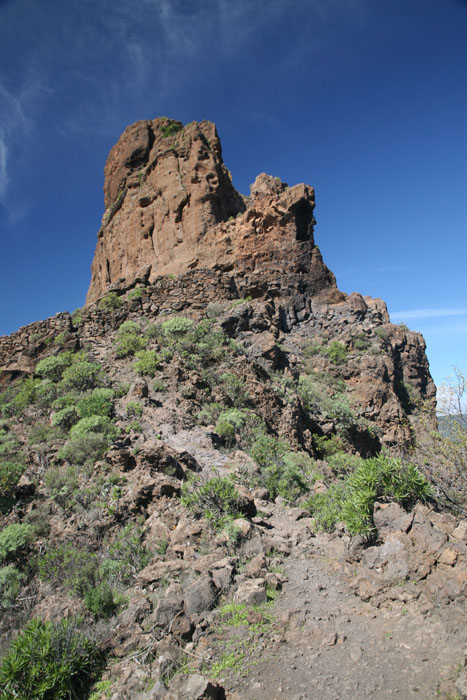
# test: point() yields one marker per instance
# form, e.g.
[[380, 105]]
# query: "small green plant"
[[11, 580], [336, 352], [170, 128], [177, 326], [53, 367], [82, 376], [147, 362], [95, 424], [50, 661], [361, 342], [215, 499], [128, 345], [135, 293], [98, 403], [62, 338], [235, 389], [14, 539], [109, 302], [209, 413], [351, 500], [229, 424], [10, 474], [127, 556], [100, 690], [65, 418], [134, 409], [76, 317], [158, 385], [61, 484]]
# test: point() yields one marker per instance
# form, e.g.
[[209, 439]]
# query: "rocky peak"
[[171, 207]]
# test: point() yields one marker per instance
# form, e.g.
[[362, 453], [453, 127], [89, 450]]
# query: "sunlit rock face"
[[171, 207]]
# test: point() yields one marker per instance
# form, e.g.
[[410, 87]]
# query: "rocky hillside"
[[207, 475]]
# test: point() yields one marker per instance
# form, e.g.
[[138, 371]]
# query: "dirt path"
[[330, 645]]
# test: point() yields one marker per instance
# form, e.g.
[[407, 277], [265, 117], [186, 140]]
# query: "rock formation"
[[171, 207]]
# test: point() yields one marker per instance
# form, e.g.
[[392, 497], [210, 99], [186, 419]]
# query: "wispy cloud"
[[428, 313]]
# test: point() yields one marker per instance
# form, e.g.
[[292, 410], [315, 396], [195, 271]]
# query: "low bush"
[[61, 484], [50, 661], [95, 424], [352, 499], [109, 302], [9, 444], [11, 580], [147, 362], [84, 449], [53, 367], [134, 409], [14, 539], [283, 472], [177, 326], [209, 413], [135, 293], [230, 423], [235, 388], [82, 376], [65, 418], [128, 345], [126, 556], [336, 352], [215, 499], [98, 403], [10, 474]]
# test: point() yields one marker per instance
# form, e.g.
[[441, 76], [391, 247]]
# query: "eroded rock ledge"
[[171, 207]]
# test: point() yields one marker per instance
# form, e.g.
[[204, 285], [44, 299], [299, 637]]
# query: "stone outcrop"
[[171, 207]]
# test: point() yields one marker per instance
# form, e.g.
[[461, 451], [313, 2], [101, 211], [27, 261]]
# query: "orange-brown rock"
[[171, 207]]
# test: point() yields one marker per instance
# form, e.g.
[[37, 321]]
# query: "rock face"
[[171, 207]]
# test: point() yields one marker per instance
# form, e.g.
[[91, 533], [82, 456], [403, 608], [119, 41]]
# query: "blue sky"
[[364, 100]]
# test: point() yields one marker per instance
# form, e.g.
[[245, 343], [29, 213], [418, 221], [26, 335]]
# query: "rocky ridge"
[[252, 361]]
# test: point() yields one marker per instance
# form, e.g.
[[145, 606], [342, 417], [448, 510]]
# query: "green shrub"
[[26, 392], [327, 446], [46, 392], [101, 600], [170, 129], [61, 484], [353, 498], [65, 418], [336, 352], [53, 367], [109, 302], [10, 474], [76, 317], [230, 423], [215, 499], [158, 385], [128, 328], [134, 409], [361, 342], [95, 424], [177, 326], [98, 403], [235, 389], [8, 442], [83, 376], [147, 362], [127, 556], [74, 569], [209, 413], [135, 293], [85, 449], [14, 539], [50, 661], [128, 345], [283, 472], [10, 585]]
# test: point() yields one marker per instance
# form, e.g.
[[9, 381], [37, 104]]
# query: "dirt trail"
[[330, 645]]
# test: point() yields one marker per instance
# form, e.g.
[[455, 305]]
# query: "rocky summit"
[[221, 478]]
